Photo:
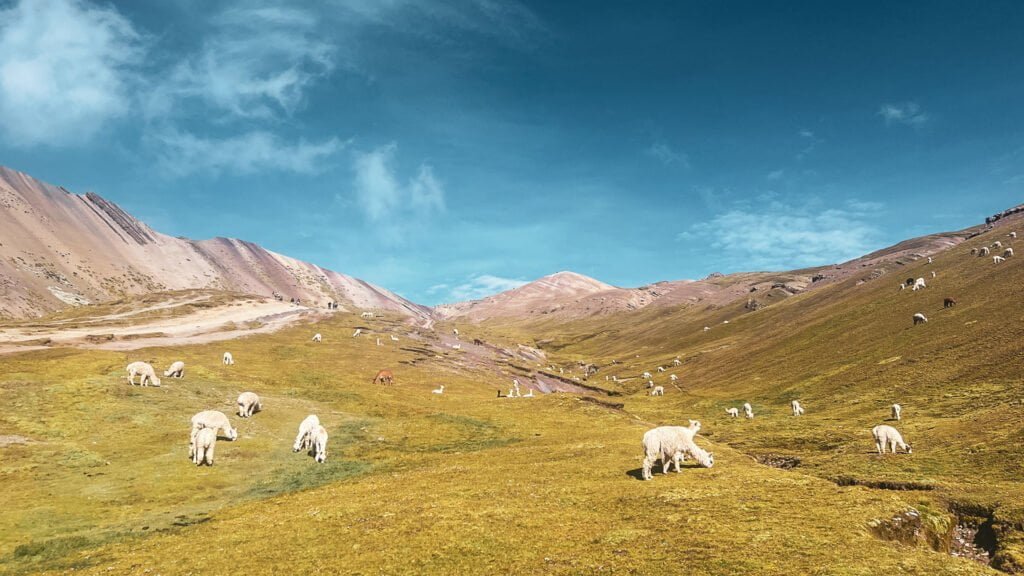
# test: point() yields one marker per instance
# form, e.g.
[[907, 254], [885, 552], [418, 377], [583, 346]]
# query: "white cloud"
[[783, 236], [182, 153], [908, 113], [482, 286], [66, 70], [776, 174], [256, 63], [667, 156], [811, 143], [382, 196]]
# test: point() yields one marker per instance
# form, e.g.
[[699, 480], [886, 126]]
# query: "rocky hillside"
[[59, 249]]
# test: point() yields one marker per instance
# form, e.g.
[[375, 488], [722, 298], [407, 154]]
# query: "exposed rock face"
[[59, 249]]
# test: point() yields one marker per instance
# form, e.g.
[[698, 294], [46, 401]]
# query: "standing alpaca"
[[384, 377], [228, 359], [798, 410], [897, 412], [886, 435]]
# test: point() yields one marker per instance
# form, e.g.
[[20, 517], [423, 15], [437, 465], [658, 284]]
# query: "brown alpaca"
[[384, 377], [949, 303]]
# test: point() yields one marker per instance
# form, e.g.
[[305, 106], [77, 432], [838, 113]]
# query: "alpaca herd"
[[669, 445]]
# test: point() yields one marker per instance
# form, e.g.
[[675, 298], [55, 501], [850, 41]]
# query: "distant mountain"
[[59, 249], [567, 295]]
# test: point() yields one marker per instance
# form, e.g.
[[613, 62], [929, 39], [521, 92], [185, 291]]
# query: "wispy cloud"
[[667, 156], [256, 63], [382, 196], [66, 70], [481, 286], [181, 153], [810, 143], [506, 20], [907, 113], [775, 174], [784, 235]]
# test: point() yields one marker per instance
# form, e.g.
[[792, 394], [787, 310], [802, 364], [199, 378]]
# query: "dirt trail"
[[197, 327]]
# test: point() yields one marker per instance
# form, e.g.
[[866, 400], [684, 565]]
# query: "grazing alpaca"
[[949, 303], [357, 332], [384, 377], [394, 338], [887, 436], [919, 319]]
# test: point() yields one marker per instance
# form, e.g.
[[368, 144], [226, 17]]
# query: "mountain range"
[[60, 249]]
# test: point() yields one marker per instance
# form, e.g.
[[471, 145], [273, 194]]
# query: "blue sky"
[[447, 149]]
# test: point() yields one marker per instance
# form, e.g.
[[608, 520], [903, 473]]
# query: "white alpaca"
[[647, 376], [658, 391], [515, 388], [456, 332], [305, 437], [998, 259], [317, 337], [650, 384], [983, 251], [897, 411], [1013, 234], [933, 274], [319, 441], [677, 362], [357, 332], [211, 419], [203, 443], [706, 328], [438, 390], [669, 444], [1008, 253], [394, 338], [919, 284], [919, 319], [929, 259], [661, 368], [673, 377], [748, 410], [997, 244], [366, 315], [177, 370], [529, 393], [248, 404], [228, 359], [378, 342], [886, 435], [903, 286], [216, 420], [456, 346], [798, 410], [148, 375], [734, 412]]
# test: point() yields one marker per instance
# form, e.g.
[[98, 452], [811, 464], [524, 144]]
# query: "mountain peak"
[[59, 248]]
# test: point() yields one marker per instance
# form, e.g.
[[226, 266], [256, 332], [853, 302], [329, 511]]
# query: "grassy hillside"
[[469, 483], [847, 352]]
